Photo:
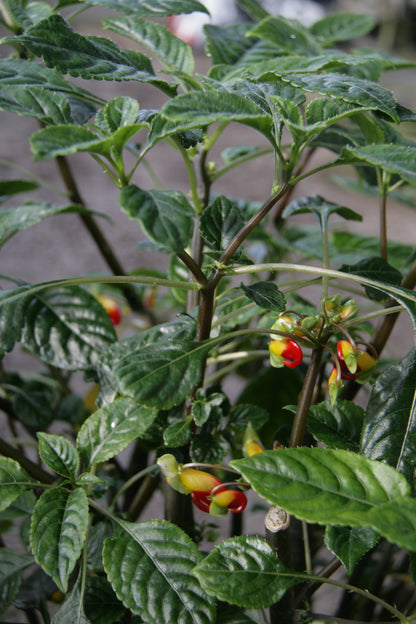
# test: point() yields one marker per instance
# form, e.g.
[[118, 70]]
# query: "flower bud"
[[365, 366], [347, 353], [334, 385], [285, 352], [112, 308], [332, 306], [251, 444], [348, 309]]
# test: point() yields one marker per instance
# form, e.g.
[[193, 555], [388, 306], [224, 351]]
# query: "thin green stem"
[[296, 179], [364, 318], [211, 139], [238, 355], [36, 178], [154, 468], [192, 180], [325, 259]]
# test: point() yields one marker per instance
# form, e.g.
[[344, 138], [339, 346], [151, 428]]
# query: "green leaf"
[[230, 614], [110, 429], [321, 208], [208, 449], [22, 507], [23, 82], [58, 454], [337, 426], [174, 52], [395, 159], [341, 27], [365, 93], [150, 568], [87, 57], [14, 187], [389, 432], [120, 112], [201, 108], [161, 375], [253, 8], [396, 521], [80, 327], [376, 269], [64, 140], [59, 527], [225, 45], [31, 213], [13, 481], [33, 401], [242, 414], [266, 295], [101, 603], [12, 564], [323, 485], [154, 8], [288, 36], [350, 544], [244, 571], [177, 434], [72, 609], [165, 216], [24, 15], [220, 222]]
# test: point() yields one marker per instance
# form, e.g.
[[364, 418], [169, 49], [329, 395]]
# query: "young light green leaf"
[[177, 434], [389, 432], [72, 609], [58, 530], [398, 159], [174, 52], [150, 568], [337, 426], [341, 27], [12, 564], [120, 112], [161, 375], [32, 213], [220, 222], [359, 91], [110, 429], [287, 35], [58, 454], [244, 571], [64, 140], [153, 8], [323, 485], [87, 57], [13, 481], [350, 544], [266, 295], [166, 216], [19, 75]]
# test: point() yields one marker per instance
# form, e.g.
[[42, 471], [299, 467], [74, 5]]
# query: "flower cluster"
[[208, 492]]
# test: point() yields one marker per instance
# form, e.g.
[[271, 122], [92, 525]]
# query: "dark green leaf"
[[389, 432], [110, 429], [17, 76], [321, 208], [22, 507], [350, 544], [266, 295], [72, 609], [34, 401], [341, 27], [201, 108], [59, 455], [395, 159], [208, 449], [287, 35], [396, 521], [244, 571], [119, 113], [13, 481], [220, 222], [230, 614], [225, 45], [365, 93], [253, 8], [323, 485], [154, 8], [87, 57], [12, 564], [100, 602], [26, 14], [14, 187], [59, 527], [174, 52], [337, 426], [150, 568], [64, 140], [378, 269], [161, 375], [166, 216], [324, 112], [242, 414], [177, 434], [32, 213]]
